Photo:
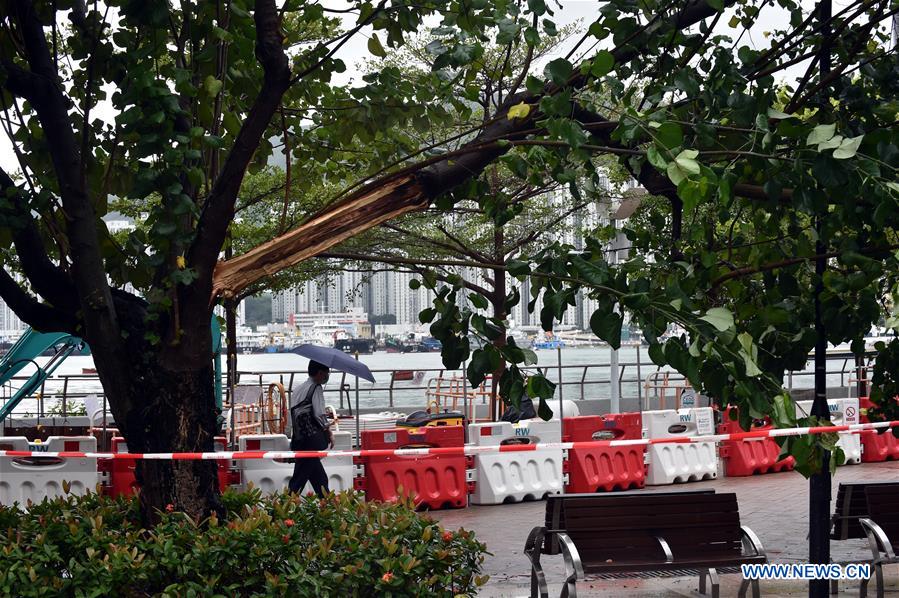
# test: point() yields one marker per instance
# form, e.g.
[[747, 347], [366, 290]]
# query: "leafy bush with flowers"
[[267, 546]]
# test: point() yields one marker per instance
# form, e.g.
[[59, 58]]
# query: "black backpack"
[[308, 433]]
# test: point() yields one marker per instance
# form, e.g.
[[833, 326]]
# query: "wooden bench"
[[851, 507], [882, 530], [643, 531]]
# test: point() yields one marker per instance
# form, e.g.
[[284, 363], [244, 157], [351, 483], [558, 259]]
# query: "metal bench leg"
[[878, 572], [574, 569], [713, 578], [863, 588], [746, 584], [532, 547], [834, 586]]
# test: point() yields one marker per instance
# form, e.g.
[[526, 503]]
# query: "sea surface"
[[585, 372]]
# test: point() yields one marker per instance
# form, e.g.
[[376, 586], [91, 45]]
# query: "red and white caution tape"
[[456, 450]]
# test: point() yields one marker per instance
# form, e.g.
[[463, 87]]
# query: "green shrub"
[[283, 545]]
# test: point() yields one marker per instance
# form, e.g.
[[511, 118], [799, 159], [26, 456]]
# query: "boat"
[[548, 344], [549, 341], [363, 346], [431, 345]]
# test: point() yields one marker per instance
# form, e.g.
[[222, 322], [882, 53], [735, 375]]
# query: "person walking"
[[308, 429]]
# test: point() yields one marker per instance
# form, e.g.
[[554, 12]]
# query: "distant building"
[[10, 324], [387, 292]]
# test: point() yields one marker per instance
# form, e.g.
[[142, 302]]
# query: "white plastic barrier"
[[519, 475], [842, 412], [680, 462], [36, 478], [272, 476]]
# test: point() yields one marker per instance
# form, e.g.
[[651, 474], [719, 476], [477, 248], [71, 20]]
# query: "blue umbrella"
[[335, 359]]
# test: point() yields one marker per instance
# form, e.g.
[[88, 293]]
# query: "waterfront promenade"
[[775, 506]]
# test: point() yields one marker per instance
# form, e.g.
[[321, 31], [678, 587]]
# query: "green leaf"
[[655, 158], [212, 85], [821, 133], [603, 63], [520, 110], [479, 366], [375, 47], [752, 370], [832, 143], [414, 284], [722, 319], [670, 135], [478, 301], [607, 326], [778, 115], [544, 411], [683, 166], [558, 71], [427, 315], [848, 148], [539, 387], [518, 268], [595, 274], [657, 354], [538, 7]]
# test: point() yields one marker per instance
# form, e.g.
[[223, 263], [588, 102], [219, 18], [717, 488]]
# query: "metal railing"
[[64, 393]]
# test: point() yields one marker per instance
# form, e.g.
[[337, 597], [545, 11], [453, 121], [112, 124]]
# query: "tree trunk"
[[168, 407], [499, 312], [177, 414]]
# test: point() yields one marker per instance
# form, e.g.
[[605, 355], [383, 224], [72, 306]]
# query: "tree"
[[165, 108], [773, 226], [472, 242]]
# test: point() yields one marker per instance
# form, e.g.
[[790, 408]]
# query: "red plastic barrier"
[[876, 447], [751, 456], [433, 481], [597, 469], [121, 471]]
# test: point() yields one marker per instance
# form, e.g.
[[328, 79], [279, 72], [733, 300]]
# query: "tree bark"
[[168, 406], [165, 421]]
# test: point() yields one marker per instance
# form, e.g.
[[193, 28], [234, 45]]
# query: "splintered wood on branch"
[[366, 209]]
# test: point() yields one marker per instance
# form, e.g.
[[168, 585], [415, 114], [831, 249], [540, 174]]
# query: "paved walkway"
[[775, 506]]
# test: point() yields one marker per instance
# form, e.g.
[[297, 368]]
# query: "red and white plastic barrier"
[[455, 450], [750, 456], [876, 446], [434, 475], [271, 476], [605, 468], [689, 457], [514, 477], [39, 470]]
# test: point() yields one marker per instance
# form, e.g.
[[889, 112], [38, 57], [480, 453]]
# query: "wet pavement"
[[775, 506]]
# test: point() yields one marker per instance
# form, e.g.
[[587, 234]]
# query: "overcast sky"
[[354, 52]]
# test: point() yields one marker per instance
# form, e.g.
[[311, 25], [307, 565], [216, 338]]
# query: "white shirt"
[[298, 394]]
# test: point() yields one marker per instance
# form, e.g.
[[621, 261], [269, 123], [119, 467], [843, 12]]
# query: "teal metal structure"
[[31, 344]]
